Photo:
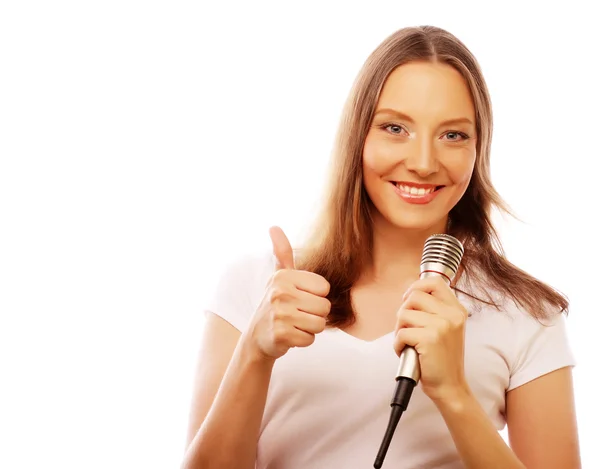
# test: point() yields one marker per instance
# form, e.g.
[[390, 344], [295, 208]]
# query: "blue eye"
[[456, 136], [393, 128]]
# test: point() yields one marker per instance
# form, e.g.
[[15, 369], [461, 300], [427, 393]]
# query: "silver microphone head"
[[442, 255]]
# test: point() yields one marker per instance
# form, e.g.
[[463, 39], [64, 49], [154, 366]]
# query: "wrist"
[[454, 399], [253, 355]]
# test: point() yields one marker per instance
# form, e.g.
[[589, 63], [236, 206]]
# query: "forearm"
[[478, 442], [228, 437]]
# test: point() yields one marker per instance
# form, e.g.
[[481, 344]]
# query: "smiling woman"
[[300, 348]]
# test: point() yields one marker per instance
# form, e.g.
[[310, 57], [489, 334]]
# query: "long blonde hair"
[[341, 241]]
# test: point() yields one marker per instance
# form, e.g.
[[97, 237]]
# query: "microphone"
[[441, 257]]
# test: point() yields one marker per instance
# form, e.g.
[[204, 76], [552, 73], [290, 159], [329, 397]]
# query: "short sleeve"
[[541, 347], [240, 288]]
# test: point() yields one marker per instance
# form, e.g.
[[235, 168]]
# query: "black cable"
[[402, 393]]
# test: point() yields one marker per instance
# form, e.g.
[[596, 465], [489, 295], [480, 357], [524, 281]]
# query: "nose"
[[422, 158]]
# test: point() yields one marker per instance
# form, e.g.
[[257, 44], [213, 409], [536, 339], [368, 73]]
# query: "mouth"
[[416, 190]]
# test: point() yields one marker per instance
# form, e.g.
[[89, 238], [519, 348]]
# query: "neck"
[[397, 253]]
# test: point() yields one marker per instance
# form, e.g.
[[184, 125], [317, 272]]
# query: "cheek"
[[378, 157], [372, 169], [461, 170]]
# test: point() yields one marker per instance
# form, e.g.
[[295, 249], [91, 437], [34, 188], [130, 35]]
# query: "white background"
[[145, 144]]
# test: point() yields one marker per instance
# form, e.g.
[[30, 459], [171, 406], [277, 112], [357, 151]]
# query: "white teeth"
[[413, 191]]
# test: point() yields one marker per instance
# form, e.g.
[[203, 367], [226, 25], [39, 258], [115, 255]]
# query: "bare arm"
[[234, 370], [478, 442], [541, 425], [229, 397]]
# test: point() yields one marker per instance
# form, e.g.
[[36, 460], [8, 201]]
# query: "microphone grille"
[[443, 252]]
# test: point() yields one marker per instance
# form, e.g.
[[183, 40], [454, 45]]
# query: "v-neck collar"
[[351, 339]]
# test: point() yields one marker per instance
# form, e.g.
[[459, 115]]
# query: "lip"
[[417, 199]]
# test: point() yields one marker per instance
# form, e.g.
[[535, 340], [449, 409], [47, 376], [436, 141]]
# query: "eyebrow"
[[407, 118]]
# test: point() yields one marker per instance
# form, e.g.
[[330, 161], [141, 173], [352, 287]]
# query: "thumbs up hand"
[[294, 307]]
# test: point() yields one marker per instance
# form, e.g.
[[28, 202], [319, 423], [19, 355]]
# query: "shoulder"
[[533, 343], [240, 287], [541, 345]]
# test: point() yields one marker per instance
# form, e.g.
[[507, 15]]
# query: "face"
[[420, 150]]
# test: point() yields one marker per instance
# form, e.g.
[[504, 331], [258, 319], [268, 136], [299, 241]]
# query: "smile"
[[408, 190], [416, 193]]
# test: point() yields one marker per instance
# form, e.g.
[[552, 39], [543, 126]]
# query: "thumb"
[[281, 248]]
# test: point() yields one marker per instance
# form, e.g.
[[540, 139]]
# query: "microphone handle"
[[409, 364]]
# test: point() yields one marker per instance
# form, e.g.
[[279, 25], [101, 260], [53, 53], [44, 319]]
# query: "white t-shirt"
[[328, 404]]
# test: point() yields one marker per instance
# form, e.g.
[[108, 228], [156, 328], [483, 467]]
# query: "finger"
[[421, 301], [282, 249], [300, 338], [310, 282], [309, 323], [453, 311], [312, 304], [409, 336], [415, 318], [436, 287]]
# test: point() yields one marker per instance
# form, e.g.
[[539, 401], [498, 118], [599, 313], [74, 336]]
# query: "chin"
[[414, 222]]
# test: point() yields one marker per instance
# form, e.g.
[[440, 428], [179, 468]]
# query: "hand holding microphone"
[[432, 321], [430, 330], [294, 307]]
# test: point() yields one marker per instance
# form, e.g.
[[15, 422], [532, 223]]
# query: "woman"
[[300, 350]]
